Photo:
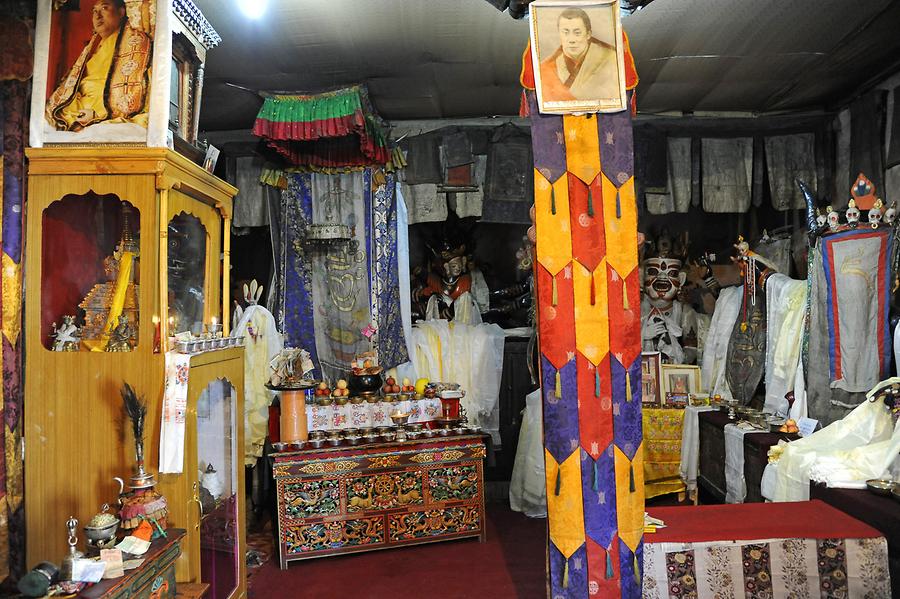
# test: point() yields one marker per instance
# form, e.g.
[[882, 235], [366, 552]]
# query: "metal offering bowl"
[[881, 486], [101, 533], [400, 419]]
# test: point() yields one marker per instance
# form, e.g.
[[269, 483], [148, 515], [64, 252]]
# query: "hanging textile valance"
[[331, 129]]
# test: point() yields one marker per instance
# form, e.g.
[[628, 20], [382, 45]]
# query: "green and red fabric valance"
[[331, 129]]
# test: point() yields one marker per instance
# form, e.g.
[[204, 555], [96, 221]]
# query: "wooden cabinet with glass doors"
[[125, 247]]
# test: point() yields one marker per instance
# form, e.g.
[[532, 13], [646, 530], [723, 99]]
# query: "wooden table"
[[375, 496], [711, 475], [154, 578], [881, 513]]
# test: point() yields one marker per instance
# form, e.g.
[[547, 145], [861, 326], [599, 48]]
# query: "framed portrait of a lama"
[[578, 56], [101, 72]]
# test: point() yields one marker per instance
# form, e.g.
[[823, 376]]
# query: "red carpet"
[[510, 564]]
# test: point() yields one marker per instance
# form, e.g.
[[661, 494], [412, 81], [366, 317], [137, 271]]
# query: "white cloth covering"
[[469, 203], [727, 173], [679, 160], [408, 369], [715, 353], [860, 446], [262, 342], [424, 203], [175, 399], [527, 485], [897, 348], [471, 355], [690, 445], [735, 483], [786, 306]]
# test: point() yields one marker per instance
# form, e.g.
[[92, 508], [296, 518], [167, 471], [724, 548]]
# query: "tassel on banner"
[[609, 564], [566, 575], [558, 482], [552, 200], [596, 484], [618, 205], [630, 478], [593, 290], [590, 202], [555, 294], [558, 391], [625, 305], [627, 386], [637, 570], [596, 382]]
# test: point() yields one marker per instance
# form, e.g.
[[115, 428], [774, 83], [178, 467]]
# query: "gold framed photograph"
[[680, 379], [578, 56], [651, 396]]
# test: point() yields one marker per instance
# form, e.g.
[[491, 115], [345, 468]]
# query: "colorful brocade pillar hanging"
[[589, 325]]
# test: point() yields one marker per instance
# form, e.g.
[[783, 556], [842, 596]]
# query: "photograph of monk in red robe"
[[99, 69], [577, 56]]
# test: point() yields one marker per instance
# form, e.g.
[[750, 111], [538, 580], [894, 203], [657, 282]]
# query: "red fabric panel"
[[623, 331], [556, 323], [749, 521], [595, 417]]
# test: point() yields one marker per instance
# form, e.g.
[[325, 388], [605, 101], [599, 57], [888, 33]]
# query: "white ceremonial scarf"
[[786, 306], [716, 351]]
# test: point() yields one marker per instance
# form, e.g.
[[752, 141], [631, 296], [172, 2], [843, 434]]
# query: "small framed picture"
[[680, 379], [650, 391], [578, 56], [212, 157], [677, 400]]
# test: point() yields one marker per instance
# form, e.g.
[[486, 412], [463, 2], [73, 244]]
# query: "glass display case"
[[90, 274], [97, 314], [217, 459], [188, 242]]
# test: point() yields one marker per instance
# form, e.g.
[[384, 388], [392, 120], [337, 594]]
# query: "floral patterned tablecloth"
[[767, 569], [804, 549], [662, 451], [366, 415]]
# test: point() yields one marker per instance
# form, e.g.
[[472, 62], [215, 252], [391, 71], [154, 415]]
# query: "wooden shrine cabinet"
[[137, 231]]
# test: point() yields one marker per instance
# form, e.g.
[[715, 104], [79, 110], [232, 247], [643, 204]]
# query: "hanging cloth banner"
[[171, 434], [336, 128], [858, 287], [586, 264]]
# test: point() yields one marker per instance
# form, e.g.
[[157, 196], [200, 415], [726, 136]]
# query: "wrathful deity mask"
[[663, 279]]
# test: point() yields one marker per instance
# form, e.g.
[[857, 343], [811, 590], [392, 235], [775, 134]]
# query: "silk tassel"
[[625, 305], [566, 575], [558, 482], [609, 564], [552, 201], [590, 202], [618, 205], [593, 290], [597, 382], [596, 484], [627, 386], [637, 570], [630, 478], [558, 391], [555, 294]]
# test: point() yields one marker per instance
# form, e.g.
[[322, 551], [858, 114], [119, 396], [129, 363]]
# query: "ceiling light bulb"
[[253, 9]]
